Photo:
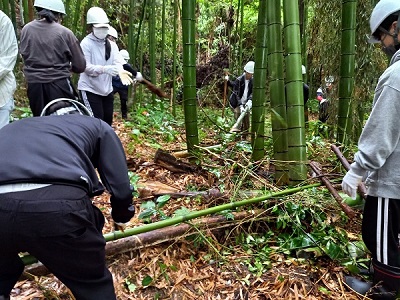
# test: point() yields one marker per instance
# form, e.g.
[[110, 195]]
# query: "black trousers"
[[381, 229], [62, 229], [123, 97], [39, 94], [101, 106]]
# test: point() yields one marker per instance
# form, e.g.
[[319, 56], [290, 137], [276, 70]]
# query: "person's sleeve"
[[113, 173], [8, 47], [91, 69], [129, 68], [78, 61], [117, 58], [381, 134]]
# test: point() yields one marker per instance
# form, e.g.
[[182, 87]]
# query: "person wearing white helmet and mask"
[[377, 163], [50, 53], [120, 88], [103, 61], [242, 94]]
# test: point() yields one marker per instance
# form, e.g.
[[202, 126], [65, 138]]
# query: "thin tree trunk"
[[259, 86]]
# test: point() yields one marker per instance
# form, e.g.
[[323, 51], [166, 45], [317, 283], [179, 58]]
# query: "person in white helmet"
[[8, 57], [120, 88], [112, 34], [50, 53], [240, 99], [103, 61], [377, 162]]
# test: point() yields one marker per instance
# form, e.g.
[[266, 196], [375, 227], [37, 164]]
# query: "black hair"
[[386, 25], [49, 15]]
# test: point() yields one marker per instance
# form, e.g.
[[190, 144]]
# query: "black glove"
[[122, 214]]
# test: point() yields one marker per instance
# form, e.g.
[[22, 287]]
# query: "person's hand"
[[120, 226], [350, 183], [249, 104], [139, 76], [122, 214], [111, 70], [126, 77], [226, 77]]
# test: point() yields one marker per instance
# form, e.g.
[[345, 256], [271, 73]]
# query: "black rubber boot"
[[386, 285], [357, 285]]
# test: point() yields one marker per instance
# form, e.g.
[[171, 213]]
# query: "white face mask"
[[100, 32]]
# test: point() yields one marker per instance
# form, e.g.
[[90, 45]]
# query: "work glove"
[[139, 76], [111, 70], [350, 183], [242, 109], [249, 104], [226, 77], [120, 226], [126, 77], [122, 215]]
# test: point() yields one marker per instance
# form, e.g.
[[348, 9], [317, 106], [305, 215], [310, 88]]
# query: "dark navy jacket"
[[116, 81]]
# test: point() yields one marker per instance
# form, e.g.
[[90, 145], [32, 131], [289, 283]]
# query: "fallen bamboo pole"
[[347, 209], [362, 190], [29, 259], [162, 235]]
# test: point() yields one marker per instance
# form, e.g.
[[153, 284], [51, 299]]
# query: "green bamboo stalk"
[[76, 18], [162, 60], [347, 66], [29, 259], [240, 55], [189, 74], [294, 93], [138, 37], [25, 11], [152, 45], [13, 16], [277, 91], [6, 8], [259, 86], [174, 58]]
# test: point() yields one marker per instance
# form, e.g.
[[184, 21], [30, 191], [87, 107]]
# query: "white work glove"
[[242, 109], [226, 77], [126, 77], [139, 76], [350, 183], [249, 104], [111, 70]]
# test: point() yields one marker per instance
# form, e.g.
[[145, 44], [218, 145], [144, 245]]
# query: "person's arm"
[[8, 46], [113, 172], [78, 61], [129, 68]]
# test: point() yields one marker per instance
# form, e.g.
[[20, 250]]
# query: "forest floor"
[[183, 269]]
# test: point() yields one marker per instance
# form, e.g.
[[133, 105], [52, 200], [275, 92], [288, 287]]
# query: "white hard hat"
[[53, 5], [381, 11], [124, 54], [112, 32], [249, 67], [303, 69], [97, 16]]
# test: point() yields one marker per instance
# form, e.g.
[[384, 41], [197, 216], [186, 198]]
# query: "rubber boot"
[[2, 297], [358, 285], [386, 284]]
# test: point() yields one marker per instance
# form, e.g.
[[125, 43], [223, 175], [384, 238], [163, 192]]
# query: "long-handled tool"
[[347, 209], [152, 88], [362, 190], [238, 124]]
